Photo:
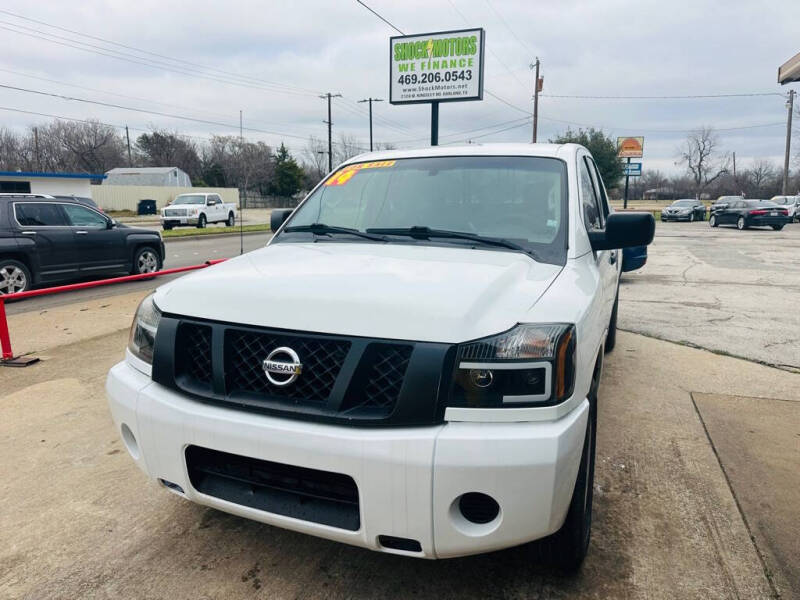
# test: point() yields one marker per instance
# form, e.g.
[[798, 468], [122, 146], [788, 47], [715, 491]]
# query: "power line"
[[151, 112], [380, 17], [143, 61], [523, 44], [155, 102], [142, 51], [687, 97]]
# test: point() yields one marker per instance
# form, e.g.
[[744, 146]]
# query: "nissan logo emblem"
[[282, 366]]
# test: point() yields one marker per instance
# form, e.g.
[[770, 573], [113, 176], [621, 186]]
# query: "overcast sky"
[[283, 54]]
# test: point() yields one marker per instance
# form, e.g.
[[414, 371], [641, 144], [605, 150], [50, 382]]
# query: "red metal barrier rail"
[[5, 338]]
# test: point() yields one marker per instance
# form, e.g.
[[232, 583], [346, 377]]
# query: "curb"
[[188, 238]]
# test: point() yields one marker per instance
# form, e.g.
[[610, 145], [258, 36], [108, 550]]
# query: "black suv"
[[46, 240]]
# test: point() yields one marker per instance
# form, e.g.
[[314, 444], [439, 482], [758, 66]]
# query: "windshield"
[[190, 199], [683, 203], [783, 200], [521, 199]]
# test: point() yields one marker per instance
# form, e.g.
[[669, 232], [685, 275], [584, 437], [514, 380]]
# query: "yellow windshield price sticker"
[[343, 176]]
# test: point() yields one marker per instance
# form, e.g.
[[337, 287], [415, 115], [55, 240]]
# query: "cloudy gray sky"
[[271, 60]]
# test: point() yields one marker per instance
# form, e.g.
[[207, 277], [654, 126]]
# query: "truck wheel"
[[201, 222], [231, 220], [167, 227], [740, 224], [14, 276], [611, 338], [778, 227], [145, 260], [567, 547]]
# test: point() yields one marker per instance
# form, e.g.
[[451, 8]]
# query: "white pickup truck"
[[197, 209], [411, 364]]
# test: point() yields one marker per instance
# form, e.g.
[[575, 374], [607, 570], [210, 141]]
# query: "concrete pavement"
[[726, 290], [80, 520]]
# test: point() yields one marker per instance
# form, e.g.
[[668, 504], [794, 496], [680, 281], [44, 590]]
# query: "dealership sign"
[[630, 147], [436, 67]]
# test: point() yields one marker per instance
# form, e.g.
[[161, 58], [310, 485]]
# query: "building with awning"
[[789, 71]]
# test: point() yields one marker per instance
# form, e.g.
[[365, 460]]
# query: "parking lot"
[[695, 492]]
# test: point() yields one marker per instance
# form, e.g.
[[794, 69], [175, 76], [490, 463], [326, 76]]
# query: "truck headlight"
[[531, 365], [143, 330]]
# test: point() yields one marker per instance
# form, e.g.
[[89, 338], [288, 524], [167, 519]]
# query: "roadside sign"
[[632, 169], [446, 66], [630, 147]]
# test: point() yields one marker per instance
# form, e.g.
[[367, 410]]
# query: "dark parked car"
[[723, 202], [751, 213], [684, 210], [45, 240]]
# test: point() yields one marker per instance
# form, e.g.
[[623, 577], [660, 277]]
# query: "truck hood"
[[395, 291]]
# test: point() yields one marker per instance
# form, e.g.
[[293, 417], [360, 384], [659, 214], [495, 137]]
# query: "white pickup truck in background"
[[198, 209]]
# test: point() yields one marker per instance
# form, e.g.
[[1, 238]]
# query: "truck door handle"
[[81, 232], [612, 257], [28, 233]]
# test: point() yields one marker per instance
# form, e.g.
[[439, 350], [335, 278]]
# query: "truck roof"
[[510, 149]]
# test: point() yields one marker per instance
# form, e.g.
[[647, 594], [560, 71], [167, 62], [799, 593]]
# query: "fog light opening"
[[478, 508], [130, 441], [172, 486]]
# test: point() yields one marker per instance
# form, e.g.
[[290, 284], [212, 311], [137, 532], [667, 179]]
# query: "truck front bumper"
[[409, 480], [177, 221]]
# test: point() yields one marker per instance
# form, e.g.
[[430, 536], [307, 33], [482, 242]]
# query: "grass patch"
[[124, 213], [191, 231]]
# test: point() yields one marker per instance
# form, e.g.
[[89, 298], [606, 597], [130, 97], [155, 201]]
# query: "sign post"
[[445, 66], [628, 148]]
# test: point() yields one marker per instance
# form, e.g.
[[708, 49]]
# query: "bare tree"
[[699, 154], [346, 147], [88, 146], [315, 158], [761, 179], [163, 148], [246, 165]]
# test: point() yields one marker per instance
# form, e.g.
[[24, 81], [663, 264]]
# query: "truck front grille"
[[357, 380], [297, 492], [174, 212], [245, 352]]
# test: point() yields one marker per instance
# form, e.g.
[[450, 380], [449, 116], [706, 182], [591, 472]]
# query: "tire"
[[712, 221], [741, 224], [611, 337], [167, 227], [146, 260], [778, 227], [567, 547], [14, 276], [691, 217], [201, 222], [231, 220]]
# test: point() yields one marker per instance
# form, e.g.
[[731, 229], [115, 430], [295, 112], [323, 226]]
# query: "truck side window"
[[591, 211], [601, 190]]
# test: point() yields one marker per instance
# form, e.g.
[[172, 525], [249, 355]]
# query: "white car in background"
[[197, 209], [790, 203], [411, 365]]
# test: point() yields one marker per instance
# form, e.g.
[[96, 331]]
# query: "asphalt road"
[[181, 252]]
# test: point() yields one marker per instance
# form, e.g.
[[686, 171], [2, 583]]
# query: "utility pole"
[[370, 100], [536, 89], [242, 197], [128, 137], [790, 106], [330, 126], [36, 148]]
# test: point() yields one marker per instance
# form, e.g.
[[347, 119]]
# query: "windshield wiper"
[[422, 232], [322, 229]]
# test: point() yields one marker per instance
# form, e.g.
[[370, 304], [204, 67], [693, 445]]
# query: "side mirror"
[[623, 231], [278, 217], [110, 224], [212, 202]]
